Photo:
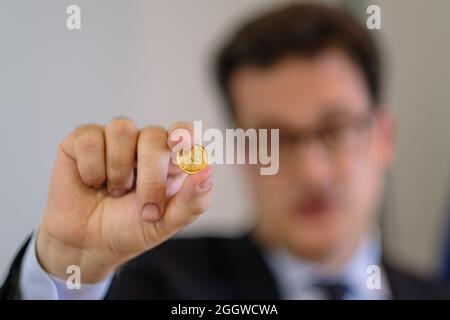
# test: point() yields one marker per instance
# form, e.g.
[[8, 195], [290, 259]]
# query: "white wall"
[[416, 35]]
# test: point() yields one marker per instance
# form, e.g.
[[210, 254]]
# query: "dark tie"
[[333, 290]]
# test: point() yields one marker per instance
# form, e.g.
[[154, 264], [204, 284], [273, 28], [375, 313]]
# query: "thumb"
[[193, 198]]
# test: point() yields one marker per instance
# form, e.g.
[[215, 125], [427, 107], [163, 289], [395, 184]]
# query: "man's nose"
[[313, 164]]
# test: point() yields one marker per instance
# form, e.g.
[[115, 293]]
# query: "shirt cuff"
[[36, 284]]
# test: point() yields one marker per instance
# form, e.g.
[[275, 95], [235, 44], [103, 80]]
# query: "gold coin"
[[193, 160]]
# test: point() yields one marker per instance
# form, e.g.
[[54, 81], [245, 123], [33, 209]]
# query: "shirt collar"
[[296, 277]]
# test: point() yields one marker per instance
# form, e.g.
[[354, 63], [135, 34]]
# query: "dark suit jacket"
[[213, 268]]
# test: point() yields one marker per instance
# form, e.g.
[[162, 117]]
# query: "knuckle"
[[87, 128], [181, 129], [200, 207], [181, 125], [93, 178], [88, 138], [154, 133], [88, 143], [89, 135], [194, 206], [122, 127]]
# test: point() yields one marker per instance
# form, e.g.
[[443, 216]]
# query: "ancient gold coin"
[[193, 160]]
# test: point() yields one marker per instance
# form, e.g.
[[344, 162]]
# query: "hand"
[[114, 194]]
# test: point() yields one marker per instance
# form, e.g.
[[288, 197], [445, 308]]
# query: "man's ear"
[[386, 136]]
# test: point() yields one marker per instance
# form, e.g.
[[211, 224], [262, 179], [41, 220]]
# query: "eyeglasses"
[[336, 136]]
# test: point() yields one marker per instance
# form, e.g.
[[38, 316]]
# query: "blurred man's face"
[[333, 152]]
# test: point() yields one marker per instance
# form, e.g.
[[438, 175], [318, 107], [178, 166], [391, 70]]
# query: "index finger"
[[180, 137], [152, 166]]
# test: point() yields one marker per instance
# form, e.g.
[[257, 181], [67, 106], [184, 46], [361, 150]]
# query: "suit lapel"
[[249, 271]]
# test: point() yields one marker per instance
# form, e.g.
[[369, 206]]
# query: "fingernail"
[[206, 184], [150, 212], [117, 192]]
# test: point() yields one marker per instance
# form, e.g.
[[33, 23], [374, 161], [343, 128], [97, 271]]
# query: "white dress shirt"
[[297, 279]]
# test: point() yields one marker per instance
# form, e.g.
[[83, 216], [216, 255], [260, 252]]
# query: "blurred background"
[[150, 60]]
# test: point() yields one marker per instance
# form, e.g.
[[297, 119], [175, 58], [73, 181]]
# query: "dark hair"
[[304, 29]]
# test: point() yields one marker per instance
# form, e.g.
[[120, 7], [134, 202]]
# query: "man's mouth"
[[315, 206]]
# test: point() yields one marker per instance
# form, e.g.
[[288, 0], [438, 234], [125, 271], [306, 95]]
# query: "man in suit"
[[310, 70]]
